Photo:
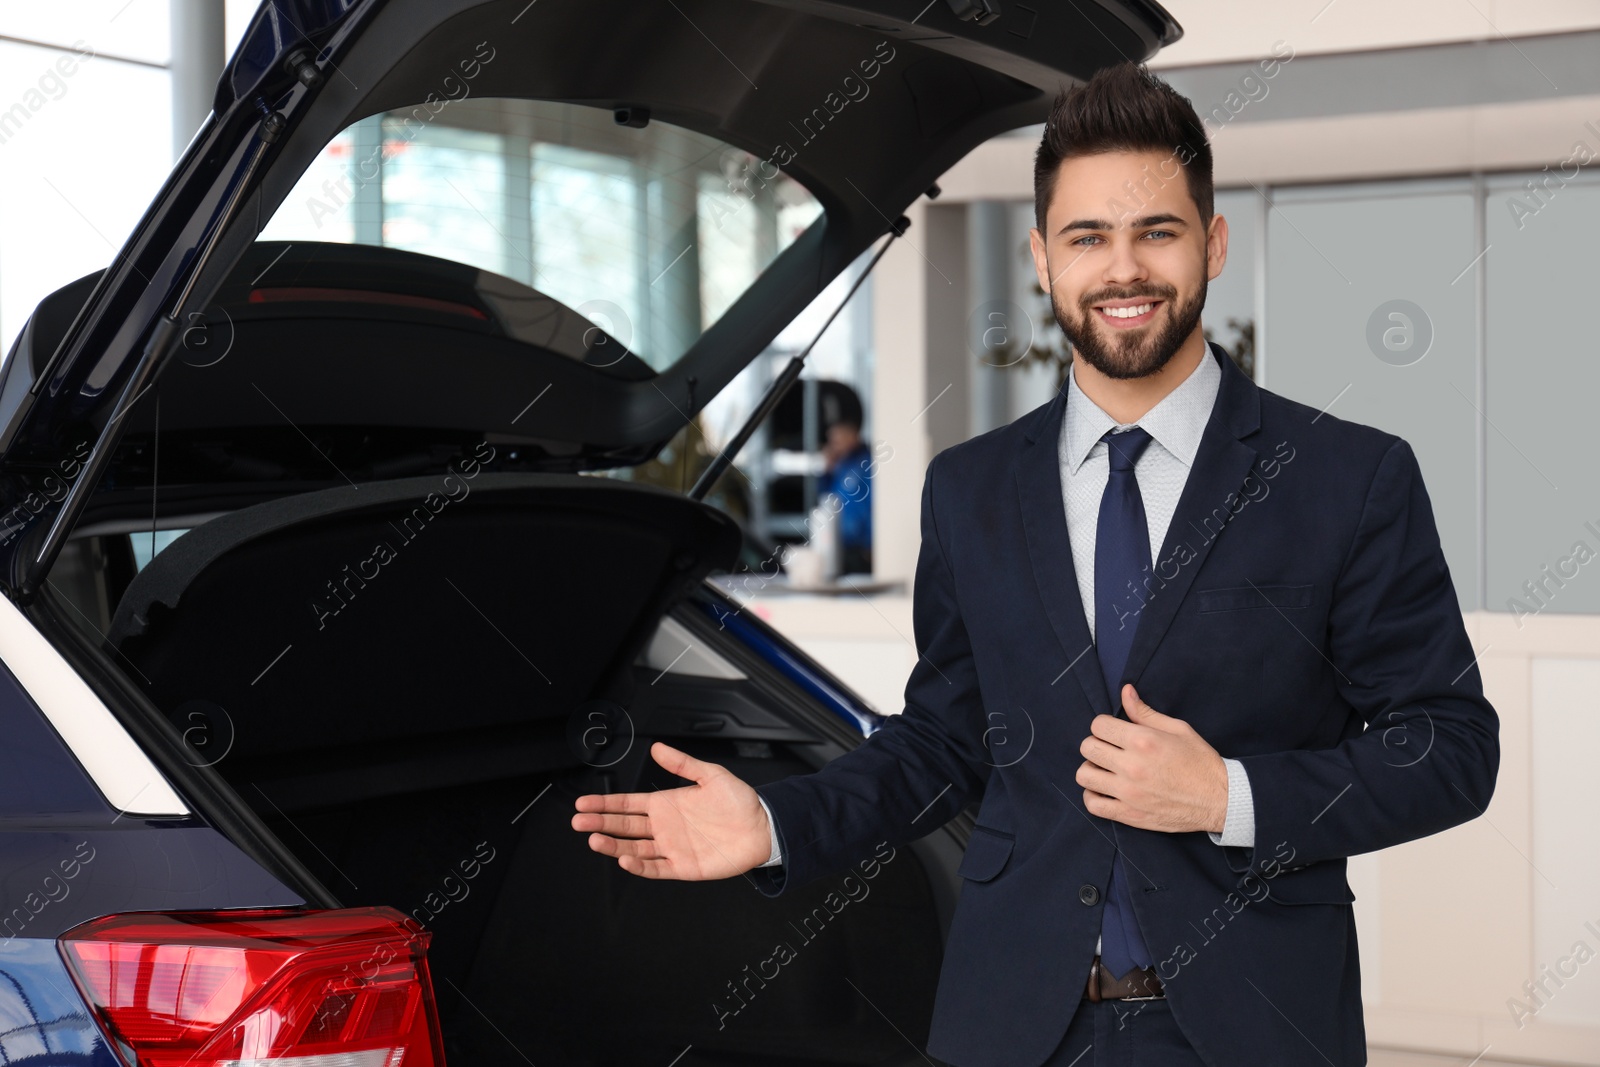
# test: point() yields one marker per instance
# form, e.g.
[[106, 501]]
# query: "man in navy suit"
[[1190, 643]]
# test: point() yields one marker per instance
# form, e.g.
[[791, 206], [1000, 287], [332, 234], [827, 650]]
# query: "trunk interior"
[[411, 680]]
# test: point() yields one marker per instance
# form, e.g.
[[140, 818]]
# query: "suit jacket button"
[[1089, 895]]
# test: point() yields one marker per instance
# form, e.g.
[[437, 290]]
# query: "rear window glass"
[[651, 233]]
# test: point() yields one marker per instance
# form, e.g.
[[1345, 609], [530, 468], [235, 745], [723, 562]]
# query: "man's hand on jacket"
[[715, 828], [1152, 771]]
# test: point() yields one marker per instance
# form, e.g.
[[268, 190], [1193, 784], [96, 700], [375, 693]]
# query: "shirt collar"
[[1176, 422]]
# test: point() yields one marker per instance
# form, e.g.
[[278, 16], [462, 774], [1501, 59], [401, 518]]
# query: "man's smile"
[[1127, 314]]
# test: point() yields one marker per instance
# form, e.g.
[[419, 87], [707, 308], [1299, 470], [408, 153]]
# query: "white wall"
[[1245, 29]]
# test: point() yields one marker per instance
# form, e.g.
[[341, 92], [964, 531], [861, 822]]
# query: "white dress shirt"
[[1175, 425]]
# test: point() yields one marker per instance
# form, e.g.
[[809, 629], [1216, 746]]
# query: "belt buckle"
[[1153, 996], [1096, 970]]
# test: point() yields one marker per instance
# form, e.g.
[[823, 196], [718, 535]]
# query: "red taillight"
[[251, 988]]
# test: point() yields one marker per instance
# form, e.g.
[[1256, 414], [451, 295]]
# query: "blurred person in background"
[[847, 471]]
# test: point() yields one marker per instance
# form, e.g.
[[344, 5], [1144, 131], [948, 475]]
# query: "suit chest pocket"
[[1311, 883], [1253, 596]]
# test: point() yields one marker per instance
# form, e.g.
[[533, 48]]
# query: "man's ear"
[[1041, 262], [1216, 247]]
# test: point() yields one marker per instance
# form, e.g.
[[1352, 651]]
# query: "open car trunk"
[[410, 681]]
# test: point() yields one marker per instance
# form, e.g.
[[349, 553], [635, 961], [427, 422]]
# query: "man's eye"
[[1150, 233]]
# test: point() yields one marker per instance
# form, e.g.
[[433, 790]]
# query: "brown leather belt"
[[1141, 983]]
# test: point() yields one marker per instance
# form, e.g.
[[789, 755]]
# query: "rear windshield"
[[650, 232]]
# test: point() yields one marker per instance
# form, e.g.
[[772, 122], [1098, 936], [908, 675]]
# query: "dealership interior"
[[1410, 193]]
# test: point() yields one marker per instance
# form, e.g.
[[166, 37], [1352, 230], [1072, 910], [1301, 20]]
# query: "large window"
[[651, 232], [1543, 381], [1371, 314], [441, 194]]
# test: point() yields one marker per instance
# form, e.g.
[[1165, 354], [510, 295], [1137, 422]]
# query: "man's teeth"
[[1127, 312]]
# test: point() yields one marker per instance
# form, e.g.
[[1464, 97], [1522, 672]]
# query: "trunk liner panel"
[[422, 606]]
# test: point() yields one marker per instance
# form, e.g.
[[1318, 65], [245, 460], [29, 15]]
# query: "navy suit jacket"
[[1300, 617]]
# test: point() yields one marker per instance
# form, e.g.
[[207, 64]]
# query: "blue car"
[[332, 574]]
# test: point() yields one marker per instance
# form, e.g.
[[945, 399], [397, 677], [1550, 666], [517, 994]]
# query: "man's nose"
[[1124, 265]]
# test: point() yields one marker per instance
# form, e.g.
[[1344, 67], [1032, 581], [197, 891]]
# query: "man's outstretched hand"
[[715, 828]]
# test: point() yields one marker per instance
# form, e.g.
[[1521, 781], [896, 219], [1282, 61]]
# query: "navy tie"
[[1121, 559]]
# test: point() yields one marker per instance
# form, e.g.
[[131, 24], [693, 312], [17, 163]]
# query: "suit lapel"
[[1220, 466], [1044, 518]]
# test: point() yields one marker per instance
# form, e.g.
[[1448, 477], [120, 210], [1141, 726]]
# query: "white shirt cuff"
[[1239, 824], [774, 859]]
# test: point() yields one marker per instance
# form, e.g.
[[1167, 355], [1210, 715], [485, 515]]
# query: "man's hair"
[[1123, 108]]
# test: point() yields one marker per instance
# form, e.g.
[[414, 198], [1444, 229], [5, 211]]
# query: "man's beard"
[[1135, 353]]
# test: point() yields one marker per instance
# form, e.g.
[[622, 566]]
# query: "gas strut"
[[780, 385]]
